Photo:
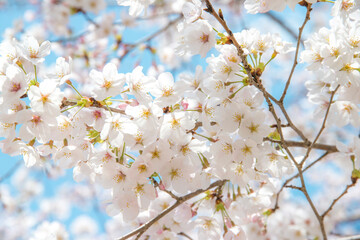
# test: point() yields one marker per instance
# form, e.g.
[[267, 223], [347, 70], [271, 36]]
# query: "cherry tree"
[[218, 129]]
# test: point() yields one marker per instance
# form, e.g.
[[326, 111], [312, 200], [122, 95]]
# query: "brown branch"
[[301, 29], [320, 146], [239, 49], [10, 171], [254, 80], [140, 230], [150, 37], [338, 198], [294, 187], [66, 103], [71, 38], [307, 196], [282, 125], [283, 25], [268, 97], [147, 18], [319, 217], [353, 218], [75, 37], [88, 18], [354, 237], [185, 235], [288, 119], [171, 194], [276, 206], [321, 128]]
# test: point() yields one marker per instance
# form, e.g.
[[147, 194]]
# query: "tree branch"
[[320, 146], [293, 177], [319, 217], [140, 230], [301, 29], [150, 37], [283, 25], [321, 128], [355, 237], [338, 198], [10, 171], [239, 49], [185, 235], [66, 103]]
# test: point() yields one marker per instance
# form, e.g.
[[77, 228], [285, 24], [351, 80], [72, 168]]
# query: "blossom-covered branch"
[[179, 200]]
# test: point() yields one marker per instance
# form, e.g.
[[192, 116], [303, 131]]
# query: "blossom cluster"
[[148, 138], [172, 135], [262, 6], [333, 55]]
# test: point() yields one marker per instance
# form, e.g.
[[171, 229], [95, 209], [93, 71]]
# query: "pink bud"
[[228, 222], [122, 106], [185, 105], [134, 102], [228, 202], [161, 186]]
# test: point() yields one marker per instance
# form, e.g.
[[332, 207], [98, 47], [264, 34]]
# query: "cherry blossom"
[[32, 51], [177, 145]]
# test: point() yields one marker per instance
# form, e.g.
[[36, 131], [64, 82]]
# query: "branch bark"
[[301, 29], [150, 37], [67, 103], [320, 146], [338, 198]]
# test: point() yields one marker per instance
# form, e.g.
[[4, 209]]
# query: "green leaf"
[[275, 135], [261, 66], [268, 212]]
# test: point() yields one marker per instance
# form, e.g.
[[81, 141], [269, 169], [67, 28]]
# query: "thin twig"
[[321, 128], [283, 25], [354, 237], [171, 194], [282, 125], [348, 219], [320, 146], [140, 230], [66, 103], [239, 49], [147, 18], [288, 119], [88, 18], [254, 80], [299, 167], [131, 47], [185, 235], [97, 207], [301, 29], [338, 198], [276, 206], [294, 187], [83, 33], [10, 171], [314, 209]]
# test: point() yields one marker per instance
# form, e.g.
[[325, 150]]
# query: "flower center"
[[36, 119], [97, 114], [167, 91], [33, 52], [346, 5], [15, 87], [204, 38]]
